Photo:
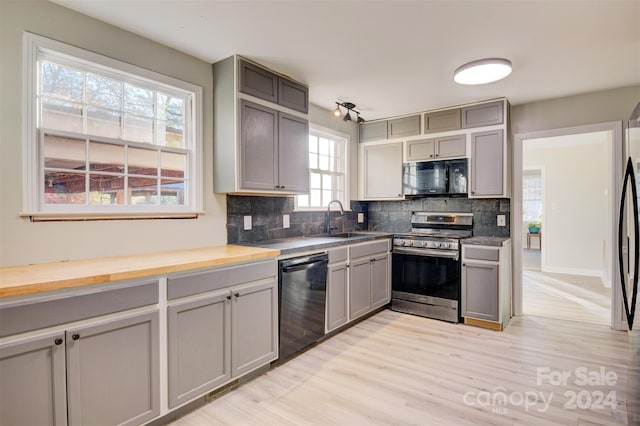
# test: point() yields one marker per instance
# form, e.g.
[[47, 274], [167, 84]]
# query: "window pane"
[[313, 144], [103, 122], [323, 144], [315, 181], [171, 192], [313, 161], [138, 101], [64, 153], [326, 197], [106, 189], [172, 165], [170, 114], [326, 182], [104, 92], [64, 188], [138, 129], [143, 191], [61, 82], [316, 199], [323, 162], [142, 161], [303, 201], [106, 157], [61, 115]]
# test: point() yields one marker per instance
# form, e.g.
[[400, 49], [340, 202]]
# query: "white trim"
[[36, 47], [615, 127]]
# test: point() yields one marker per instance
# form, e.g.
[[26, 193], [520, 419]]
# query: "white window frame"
[[34, 47], [331, 133]]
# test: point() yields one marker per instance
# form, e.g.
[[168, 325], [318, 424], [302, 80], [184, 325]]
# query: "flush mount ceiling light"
[[482, 71], [350, 108]]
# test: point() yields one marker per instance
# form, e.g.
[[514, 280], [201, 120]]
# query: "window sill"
[[70, 217]]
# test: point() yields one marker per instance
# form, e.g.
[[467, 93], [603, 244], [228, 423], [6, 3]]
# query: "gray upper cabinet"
[[487, 164], [293, 95], [259, 146], [421, 149], [483, 115], [374, 131], [259, 82], [293, 153], [442, 121], [437, 148], [199, 343], [113, 371], [403, 127], [33, 378], [382, 171]]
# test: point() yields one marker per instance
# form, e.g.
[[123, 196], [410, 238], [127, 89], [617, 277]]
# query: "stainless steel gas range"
[[426, 265]]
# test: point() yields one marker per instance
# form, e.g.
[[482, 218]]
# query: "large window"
[[327, 170], [108, 138]]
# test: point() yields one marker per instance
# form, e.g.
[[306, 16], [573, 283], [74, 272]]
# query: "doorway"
[[565, 181]]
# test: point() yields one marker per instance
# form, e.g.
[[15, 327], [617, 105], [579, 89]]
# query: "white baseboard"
[[572, 271]]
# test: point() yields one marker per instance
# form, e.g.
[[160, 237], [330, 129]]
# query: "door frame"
[[617, 321]]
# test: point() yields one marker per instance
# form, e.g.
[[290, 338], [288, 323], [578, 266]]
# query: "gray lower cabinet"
[[480, 290], [254, 326], [199, 345], [33, 379], [359, 287], [487, 164], [337, 295], [380, 291], [113, 371]]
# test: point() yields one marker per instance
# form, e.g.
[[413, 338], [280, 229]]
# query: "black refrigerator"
[[628, 259]]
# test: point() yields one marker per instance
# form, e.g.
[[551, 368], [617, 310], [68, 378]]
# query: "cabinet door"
[[32, 375], [113, 371], [293, 95], [293, 154], [258, 146], [451, 146], [480, 290], [259, 82], [487, 164], [254, 326], [373, 131], [199, 343], [359, 287], [482, 115], [442, 121], [337, 295], [405, 126], [382, 171], [380, 289], [422, 149]]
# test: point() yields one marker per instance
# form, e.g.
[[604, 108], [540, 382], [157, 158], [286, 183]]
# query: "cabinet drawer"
[[258, 82], [293, 95], [406, 126], [50, 311], [368, 249], [338, 254], [373, 131], [187, 285], [482, 115], [442, 121], [481, 253]]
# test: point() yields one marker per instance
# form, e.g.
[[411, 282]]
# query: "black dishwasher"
[[302, 286]]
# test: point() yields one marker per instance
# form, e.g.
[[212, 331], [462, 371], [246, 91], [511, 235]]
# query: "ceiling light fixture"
[[482, 71], [350, 108]]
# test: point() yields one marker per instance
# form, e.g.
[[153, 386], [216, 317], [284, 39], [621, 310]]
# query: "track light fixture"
[[350, 108]]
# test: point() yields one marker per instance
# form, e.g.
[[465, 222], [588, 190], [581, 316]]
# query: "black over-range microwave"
[[447, 177]]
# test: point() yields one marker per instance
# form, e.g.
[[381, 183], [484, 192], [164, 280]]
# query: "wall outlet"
[[247, 223], [502, 220], [360, 217], [285, 221]]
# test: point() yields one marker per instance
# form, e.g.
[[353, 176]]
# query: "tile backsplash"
[[390, 216]]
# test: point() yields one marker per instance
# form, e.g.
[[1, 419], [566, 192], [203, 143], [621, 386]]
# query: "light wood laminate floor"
[[399, 369]]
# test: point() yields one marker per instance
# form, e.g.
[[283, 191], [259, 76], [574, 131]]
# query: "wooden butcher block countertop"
[[28, 279]]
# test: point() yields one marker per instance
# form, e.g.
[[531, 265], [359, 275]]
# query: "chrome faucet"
[[329, 227]]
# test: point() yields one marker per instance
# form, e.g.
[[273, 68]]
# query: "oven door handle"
[[427, 252]]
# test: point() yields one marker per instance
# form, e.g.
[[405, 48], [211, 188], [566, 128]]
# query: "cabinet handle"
[[277, 186], [282, 187], [229, 297], [58, 341], [236, 294], [75, 336]]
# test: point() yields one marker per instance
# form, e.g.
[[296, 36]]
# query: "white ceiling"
[[397, 57]]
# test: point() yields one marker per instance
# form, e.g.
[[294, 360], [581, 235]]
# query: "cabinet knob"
[[75, 336], [229, 297], [58, 341], [236, 294], [282, 187]]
